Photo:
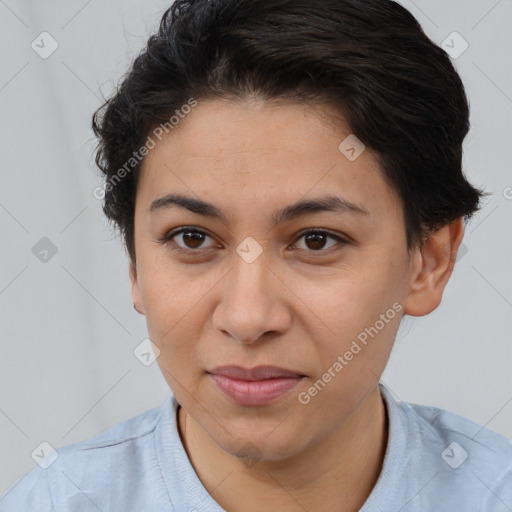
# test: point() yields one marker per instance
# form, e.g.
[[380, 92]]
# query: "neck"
[[337, 473]]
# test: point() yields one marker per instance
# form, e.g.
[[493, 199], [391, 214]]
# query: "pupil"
[[194, 237], [316, 238]]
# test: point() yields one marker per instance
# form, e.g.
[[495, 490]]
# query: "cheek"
[[356, 314], [350, 299], [168, 294], [175, 326], [176, 310]]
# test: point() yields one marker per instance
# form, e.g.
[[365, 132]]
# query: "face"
[[250, 282]]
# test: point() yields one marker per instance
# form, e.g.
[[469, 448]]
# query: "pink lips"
[[256, 386]]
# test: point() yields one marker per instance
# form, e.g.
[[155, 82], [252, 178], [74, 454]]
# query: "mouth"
[[255, 386]]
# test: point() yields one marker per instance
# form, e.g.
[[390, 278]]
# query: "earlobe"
[[136, 296], [432, 268]]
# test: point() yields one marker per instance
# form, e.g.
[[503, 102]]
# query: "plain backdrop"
[[68, 330]]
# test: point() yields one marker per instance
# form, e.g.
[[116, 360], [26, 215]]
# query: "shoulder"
[[447, 428], [125, 448], [464, 459]]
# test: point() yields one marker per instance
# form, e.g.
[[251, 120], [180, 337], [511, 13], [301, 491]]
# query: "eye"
[[316, 239], [191, 239]]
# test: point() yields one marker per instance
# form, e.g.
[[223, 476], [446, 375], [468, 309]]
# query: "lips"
[[254, 386], [258, 373]]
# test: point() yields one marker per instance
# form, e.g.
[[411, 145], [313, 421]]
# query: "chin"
[[258, 446]]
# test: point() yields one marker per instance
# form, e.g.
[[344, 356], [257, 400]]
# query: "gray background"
[[68, 330]]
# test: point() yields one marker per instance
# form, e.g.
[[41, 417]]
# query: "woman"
[[286, 176]]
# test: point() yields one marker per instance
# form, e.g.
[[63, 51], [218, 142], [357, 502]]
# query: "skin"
[[298, 305]]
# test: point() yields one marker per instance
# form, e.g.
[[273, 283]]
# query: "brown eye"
[[193, 239], [317, 240], [189, 239]]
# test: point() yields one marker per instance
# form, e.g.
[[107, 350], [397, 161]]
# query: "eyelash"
[[168, 238]]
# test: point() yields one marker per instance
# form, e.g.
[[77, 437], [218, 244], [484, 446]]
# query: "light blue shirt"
[[435, 461]]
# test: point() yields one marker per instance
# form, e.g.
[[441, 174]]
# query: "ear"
[[432, 266], [136, 296]]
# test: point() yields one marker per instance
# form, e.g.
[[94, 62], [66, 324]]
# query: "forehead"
[[261, 155]]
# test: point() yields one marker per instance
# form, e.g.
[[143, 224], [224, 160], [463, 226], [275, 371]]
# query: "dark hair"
[[367, 59]]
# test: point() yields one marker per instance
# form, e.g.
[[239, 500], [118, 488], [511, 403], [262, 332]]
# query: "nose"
[[254, 302]]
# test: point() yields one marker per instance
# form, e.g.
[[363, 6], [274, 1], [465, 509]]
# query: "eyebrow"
[[294, 211]]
